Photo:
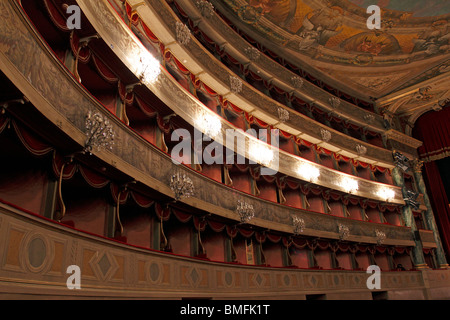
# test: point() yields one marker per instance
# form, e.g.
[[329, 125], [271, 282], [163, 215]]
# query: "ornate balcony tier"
[[133, 155], [221, 33], [162, 21]]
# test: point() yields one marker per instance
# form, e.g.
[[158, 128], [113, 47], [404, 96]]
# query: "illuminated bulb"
[[349, 185], [210, 125], [308, 172], [263, 154], [386, 193], [147, 67]]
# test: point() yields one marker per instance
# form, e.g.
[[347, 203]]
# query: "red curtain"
[[434, 130], [439, 202]]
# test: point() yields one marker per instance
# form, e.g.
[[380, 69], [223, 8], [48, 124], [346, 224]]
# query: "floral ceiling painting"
[[410, 29]]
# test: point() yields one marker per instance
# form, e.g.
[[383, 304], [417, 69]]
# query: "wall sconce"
[[401, 161], [299, 224], [183, 33], [283, 114], [235, 85], [182, 186], [245, 211], [362, 150], [325, 134], [411, 199], [149, 69], [344, 232], [206, 8], [381, 236], [99, 131]]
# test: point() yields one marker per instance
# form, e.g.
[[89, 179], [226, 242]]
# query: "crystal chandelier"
[[183, 33], [99, 131], [206, 8], [283, 114], [210, 125], [245, 211], [299, 224], [181, 186], [308, 172], [326, 135], [344, 232], [381, 236], [235, 84]]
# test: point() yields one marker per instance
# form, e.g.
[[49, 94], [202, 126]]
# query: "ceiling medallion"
[[99, 131], [246, 211], [182, 186], [183, 33], [206, 8]]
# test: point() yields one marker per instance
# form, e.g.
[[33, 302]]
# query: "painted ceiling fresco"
[[412, 45], [340, 25]]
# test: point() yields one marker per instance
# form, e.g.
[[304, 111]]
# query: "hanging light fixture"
[[381, 236], [99, 131], [344, 232], [181, 186], [283, 114], [298, 224], [183, 33], [245, 211]]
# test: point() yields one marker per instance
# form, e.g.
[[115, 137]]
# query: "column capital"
[[417, 165]]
